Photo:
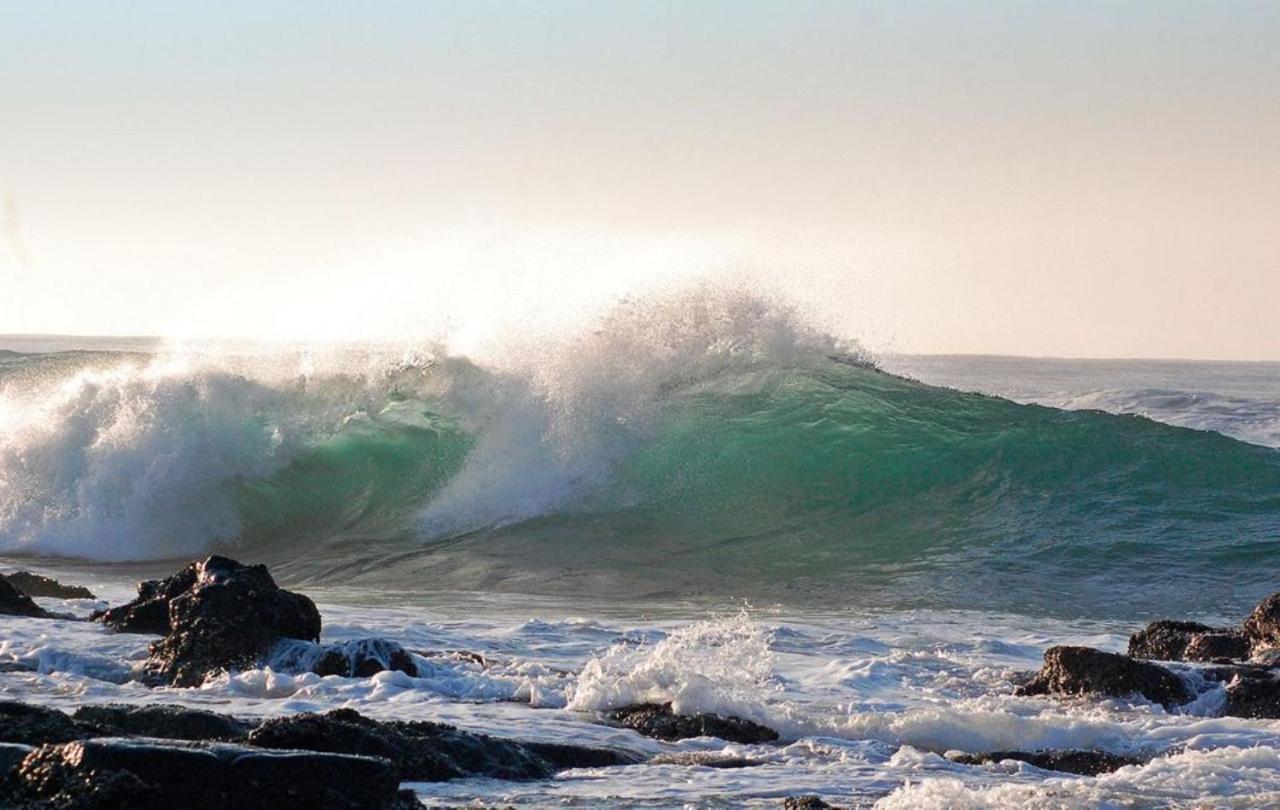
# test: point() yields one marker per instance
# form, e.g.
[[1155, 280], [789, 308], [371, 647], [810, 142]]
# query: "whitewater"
[[703, 499]]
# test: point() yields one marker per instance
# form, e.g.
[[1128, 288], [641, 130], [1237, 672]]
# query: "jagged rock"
[[36, 725], [218, 614], [14, 602], [423, 751], [1229, 645], [167, 722], [162, 774], [16, 666], [1167, 640], [37, 585], [1086, 671], [349, 659], [659, 721], [1254, 694], [1263, 625], [705, 759], [1084, 763]]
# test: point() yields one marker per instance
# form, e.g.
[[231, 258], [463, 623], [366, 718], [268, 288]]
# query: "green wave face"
[[827, 483]]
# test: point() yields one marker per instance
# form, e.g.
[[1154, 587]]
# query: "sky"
[[1084, 179]]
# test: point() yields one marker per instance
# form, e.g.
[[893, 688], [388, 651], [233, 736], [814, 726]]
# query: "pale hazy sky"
[[1075, 178]]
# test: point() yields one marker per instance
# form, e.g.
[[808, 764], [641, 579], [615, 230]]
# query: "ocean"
[[703, 501]]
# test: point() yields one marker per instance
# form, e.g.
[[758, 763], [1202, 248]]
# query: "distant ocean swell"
[[688, 446]]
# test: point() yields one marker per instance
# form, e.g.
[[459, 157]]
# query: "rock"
[[145, 774], [349, 659], [218, 613], [149, 612], [562, 756], [1253, 694], [659, 721], [168, 722], [14, 602], [1263, 625], [1086, 671], [1084, 763], [36, 725], [805, 803], [424, 751], [37, 585], [16, 666], [1228, 645], [11, 756], [705, 759], [1167, 640]]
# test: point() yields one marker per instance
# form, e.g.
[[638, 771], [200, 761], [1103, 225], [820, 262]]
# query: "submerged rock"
[[349, 659], [1086, 671], [215, 614], [1187, 641], [162, 774], [1084, 763], [14, 602], [659, 721], [705, 759], [805, 803], [425, 751], [37, 585]]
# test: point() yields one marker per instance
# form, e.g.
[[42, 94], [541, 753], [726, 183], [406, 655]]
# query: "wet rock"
[[1069, 671], [423, 751], [14, 602], [805, 803], [1263, 625], [218, 614], [659, 721], [562, 756], [16, 666], [1168, 640], [1254, 694], [37, 585], [168, 722], [36, 725], [705, 759], [11, 756], [149, 612], [349, 659], [1084, 763], [1228, 645], [162, 774]]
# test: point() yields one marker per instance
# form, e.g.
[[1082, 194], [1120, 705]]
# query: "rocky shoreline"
[[217, 615]]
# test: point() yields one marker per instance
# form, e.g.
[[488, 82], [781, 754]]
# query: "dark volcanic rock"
[[424, 751], [36, 725], [805, 803], [36, 585], [218, 614], [1254, 694], [163, 774], [1263, 625], [14, 602], [349, 659], [168, 722], [1167, 640], [11, 756], [1085, 763], [1228, 645], [659, 721], [1086, 671]]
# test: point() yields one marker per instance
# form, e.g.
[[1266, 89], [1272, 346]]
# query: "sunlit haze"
[[1073, 179]]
